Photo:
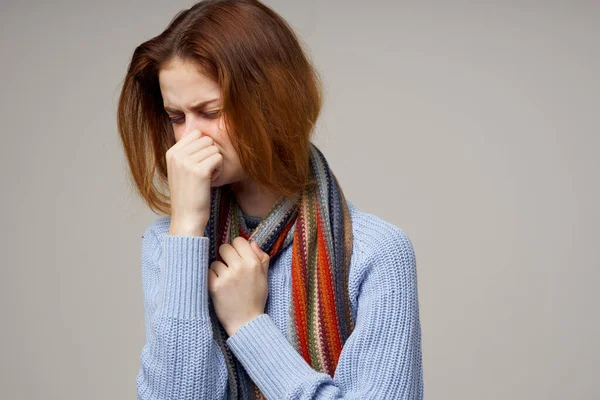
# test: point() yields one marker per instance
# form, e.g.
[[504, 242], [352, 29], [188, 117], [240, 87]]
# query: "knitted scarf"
[[317, 220]]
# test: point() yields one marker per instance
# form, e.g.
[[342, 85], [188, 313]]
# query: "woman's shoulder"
[[376, 237], [382, 265]]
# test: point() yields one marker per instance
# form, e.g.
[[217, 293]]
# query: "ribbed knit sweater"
[[181, 360]]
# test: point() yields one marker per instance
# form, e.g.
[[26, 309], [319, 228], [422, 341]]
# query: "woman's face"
[[193, 101]]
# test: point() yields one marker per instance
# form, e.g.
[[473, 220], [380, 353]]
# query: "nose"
[[192, 123]]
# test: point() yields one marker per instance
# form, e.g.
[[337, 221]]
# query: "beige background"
[[473, 127]]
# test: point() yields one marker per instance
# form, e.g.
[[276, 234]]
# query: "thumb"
[[262, 256]]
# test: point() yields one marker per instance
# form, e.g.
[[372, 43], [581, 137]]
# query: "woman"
[[262, 280]]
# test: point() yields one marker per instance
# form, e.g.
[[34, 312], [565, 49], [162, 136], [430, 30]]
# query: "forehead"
[[181, 84]]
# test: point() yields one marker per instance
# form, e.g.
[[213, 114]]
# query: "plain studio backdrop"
[[473, 127]]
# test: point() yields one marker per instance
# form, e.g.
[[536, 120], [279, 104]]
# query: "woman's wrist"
[[186, 228]]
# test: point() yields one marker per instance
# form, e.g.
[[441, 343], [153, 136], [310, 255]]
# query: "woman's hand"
[[239, 285], [191, 164]]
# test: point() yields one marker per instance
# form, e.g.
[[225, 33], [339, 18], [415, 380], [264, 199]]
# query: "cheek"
[[221, 124], [178, 132]]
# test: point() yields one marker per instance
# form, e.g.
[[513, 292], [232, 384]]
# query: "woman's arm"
[[180, 359], [382, 357]]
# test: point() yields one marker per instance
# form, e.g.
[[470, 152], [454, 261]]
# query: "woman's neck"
[[252, 200]]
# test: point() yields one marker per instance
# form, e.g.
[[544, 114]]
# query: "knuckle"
[[175, 160], [205, 174], [202, 172]]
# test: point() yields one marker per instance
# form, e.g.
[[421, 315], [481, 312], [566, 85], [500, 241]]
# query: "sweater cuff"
[[270, 360], [183, 277]]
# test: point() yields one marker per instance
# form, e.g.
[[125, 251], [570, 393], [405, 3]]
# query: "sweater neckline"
[[251, 221]]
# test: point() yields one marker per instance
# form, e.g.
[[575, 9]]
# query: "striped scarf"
[[317, 220]]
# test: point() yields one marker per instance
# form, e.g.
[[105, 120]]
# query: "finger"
[[204, 153], [199, 144], [218, 268], [229, 255], [243, 248], [183, 143], [211, 164], [262, 256], [187, 138]]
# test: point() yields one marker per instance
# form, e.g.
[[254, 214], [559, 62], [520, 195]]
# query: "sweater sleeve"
[[180, 359], [381, 359]]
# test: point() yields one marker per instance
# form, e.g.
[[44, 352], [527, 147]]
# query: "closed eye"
[[210, 115]]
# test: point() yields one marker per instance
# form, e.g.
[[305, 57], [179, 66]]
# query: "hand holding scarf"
[[238, 285]]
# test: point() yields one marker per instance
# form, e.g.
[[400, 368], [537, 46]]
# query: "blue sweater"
[[380, 360]]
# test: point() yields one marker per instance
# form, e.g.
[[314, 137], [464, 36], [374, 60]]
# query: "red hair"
[[272, 95]]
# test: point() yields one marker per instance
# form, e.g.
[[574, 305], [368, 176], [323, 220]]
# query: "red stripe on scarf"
[[328, 313]]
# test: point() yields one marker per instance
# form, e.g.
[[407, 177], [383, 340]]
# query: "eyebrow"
[[194, 106]]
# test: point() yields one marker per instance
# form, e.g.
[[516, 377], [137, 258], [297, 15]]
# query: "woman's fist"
[[239, 285], [191, 163]]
